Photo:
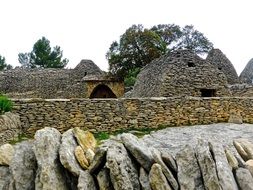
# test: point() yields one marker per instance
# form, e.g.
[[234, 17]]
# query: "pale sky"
[[85, 29]]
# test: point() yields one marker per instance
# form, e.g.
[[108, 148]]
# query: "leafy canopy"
[[3, 65], [42, 56], [138, 46]]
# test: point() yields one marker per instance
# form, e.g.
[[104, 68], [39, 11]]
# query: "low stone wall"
[[114, 114]]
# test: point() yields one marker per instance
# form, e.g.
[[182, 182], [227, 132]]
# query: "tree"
[[3, 65], [42, 56], [138, 46]]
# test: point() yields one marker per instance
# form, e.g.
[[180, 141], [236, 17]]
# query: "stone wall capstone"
[[115, 114]]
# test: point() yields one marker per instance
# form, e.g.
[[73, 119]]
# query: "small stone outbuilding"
[[218, 59], [180, 73]]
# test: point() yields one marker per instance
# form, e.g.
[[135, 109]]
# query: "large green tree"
[[43, 56], [3, 65], [138, 46]]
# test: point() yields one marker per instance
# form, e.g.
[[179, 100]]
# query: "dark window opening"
[[191, 64], [85, 73], [102, 91], [219, 68], [208, 92]]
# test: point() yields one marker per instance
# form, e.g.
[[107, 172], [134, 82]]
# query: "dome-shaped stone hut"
[[246, 75], [218, 59], [180, 73]]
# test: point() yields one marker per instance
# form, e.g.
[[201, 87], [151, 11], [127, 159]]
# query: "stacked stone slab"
[[47, 83], [179, 73], [218, 59], [246, 75], [126, 162]]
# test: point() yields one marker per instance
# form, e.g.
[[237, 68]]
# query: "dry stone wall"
[[47, 83], [114, 114]]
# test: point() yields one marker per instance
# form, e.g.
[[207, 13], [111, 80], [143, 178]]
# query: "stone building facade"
[[218, 59], [55, 83], [180, 73]]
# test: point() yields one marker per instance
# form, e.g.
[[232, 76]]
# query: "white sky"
[[85, 29]]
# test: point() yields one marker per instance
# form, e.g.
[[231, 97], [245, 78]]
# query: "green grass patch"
[[5, 104], [139, 132], [19, 138]]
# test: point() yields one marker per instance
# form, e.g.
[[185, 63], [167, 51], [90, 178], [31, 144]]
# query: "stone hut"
[[49, 83], [180, 73], [246, 75], [218, 59]]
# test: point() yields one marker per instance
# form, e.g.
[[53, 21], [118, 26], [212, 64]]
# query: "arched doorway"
[[102, 91]]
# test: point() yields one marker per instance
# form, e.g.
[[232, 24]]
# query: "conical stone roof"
[[89, 67], [218, 59], [179, 73], [246, 75]]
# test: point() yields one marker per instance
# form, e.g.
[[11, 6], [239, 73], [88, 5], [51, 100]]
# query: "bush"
[[5, 104]]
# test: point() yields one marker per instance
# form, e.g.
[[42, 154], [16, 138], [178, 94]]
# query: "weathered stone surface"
[[247, 74], [99, 159], [46, 146], [144, 179], [67, 153], [86, 181], [249, 166], [240, 150], [224, 171], [103, 179], [247, 146], [158, 159], [179, 73], [56, 83], [218, 59], [138, 149], [23, 166], [4, 177], [123, 173], [89, 154], [10, 127], [6, 154], [79, 154], [169, 161], [235, 118], [244, 179], [232, 161], [85, 139], [157, 179], [168, 139], [189, 175], [207, 166]]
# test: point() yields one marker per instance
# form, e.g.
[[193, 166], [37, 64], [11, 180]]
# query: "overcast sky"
[[85, 29]]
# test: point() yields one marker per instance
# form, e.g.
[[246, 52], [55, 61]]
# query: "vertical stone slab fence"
[[115, 114]]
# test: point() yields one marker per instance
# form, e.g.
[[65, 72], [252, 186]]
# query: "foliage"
[[5, 104], [138, 46], [3, 65], [131, 77], [139, 132], [21, 137], [42, 56]]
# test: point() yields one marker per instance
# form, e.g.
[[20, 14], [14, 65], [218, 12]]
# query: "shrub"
[[5, 104]]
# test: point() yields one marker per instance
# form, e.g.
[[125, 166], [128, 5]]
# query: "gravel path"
[[174, 138]]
